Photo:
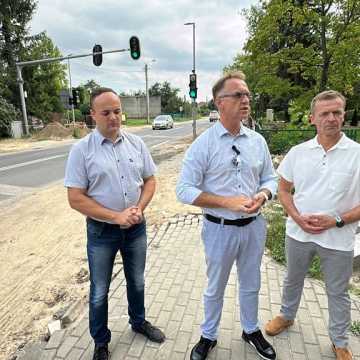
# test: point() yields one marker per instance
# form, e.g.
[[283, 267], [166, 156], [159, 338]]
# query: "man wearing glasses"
[[228, 172], [323, 214]]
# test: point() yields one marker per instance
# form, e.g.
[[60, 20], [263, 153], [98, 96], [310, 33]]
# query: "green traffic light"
[[192, 94], [134, 55]]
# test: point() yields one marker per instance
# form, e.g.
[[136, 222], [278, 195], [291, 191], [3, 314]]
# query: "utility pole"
[[193, 109], [147, 95]]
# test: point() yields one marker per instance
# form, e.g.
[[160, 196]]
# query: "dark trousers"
[[104, 241]]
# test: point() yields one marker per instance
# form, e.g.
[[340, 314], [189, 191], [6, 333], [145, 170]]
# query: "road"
[[23, 171]]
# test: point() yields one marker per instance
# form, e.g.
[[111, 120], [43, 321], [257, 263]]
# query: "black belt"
[[236, 222], [101, 223]]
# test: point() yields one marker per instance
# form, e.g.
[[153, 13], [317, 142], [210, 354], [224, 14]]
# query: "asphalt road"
[[41, 167]]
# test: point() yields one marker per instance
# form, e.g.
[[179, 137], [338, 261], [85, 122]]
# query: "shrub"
[[8, 114], [275, 240], [281, 140]]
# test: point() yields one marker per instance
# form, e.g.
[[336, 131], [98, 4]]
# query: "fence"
[[281, 140]]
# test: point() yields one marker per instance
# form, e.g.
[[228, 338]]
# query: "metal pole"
[[22, 98], [70, 93], [193, 48], [193, 101], [147, 95]]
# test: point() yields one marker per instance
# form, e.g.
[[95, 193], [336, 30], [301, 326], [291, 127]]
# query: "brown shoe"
[[277, 325], [342, 353]]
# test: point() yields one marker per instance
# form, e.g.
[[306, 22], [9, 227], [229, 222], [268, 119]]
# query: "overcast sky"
[[76, 25]]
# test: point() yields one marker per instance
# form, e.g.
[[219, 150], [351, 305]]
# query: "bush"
[[281, 140], [8, 114], [275, 240]]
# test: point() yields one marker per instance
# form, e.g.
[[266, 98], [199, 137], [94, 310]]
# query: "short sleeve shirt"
[[325, 183], [112, 173]]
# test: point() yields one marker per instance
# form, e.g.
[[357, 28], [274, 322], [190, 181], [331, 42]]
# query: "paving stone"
[[67, 346], [55, 340], [175, 282]]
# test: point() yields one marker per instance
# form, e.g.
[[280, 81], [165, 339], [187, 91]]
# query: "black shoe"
[[262, 347], [151, 332], [201, 349], [101, 353]]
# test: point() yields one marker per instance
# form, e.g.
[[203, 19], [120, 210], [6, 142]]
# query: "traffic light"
[[192, 86], [75, 98], [97, 58], [135, 47]]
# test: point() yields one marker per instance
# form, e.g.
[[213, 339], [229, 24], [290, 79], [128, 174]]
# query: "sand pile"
[[54, 130]]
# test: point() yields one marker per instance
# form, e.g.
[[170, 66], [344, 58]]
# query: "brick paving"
[[175, 279]]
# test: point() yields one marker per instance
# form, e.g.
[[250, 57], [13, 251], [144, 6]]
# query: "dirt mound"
[[54, 130]]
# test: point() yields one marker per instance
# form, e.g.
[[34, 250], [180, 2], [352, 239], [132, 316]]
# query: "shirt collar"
[[101, 139], [343, 143], [221, 131]]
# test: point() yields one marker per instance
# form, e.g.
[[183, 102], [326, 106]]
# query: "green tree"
[[8, 114], [170, 101], [14, 18], [297, 48], [44, 82]]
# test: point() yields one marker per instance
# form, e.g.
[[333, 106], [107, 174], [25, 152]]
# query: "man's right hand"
[[126, 218], [239, 203], [306, 223]]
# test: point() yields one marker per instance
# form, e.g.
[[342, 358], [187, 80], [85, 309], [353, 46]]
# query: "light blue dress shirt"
[[112, 173], [212, 166]]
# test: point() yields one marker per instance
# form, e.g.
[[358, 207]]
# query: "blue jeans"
[[104, 241]]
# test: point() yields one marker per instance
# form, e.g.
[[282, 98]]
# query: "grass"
[[275, 240], [355, 327]]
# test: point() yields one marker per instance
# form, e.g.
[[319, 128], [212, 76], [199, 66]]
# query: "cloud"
[[75, 26]]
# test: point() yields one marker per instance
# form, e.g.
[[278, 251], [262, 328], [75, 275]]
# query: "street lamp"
[[193, 70], [147, 92]]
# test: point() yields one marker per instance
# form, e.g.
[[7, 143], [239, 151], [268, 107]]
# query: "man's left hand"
[[137, 213], [258, 201], [324, 221]]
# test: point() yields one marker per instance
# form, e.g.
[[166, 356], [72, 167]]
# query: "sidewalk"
[[175, 279]]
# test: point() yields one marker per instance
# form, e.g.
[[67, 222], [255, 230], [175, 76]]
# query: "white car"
[[163, 122], [214, 116]]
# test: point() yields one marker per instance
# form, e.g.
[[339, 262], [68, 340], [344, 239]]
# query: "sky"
[[75, 26]]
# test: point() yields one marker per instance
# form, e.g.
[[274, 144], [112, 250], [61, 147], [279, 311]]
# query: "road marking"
[[162, 143], [32, 162]]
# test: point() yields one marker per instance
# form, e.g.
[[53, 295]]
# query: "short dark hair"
[[221, 82], [326, 95], [97, 92]]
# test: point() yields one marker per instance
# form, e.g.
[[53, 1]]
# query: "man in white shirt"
[[323, 214], [228, 172]]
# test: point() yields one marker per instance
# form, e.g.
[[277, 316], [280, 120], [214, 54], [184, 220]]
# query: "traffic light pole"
[[147, 95], [193, 109], [21, 64], [70, 94]]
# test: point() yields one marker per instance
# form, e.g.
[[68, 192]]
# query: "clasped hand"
[[130, 216], [246, 204], [315, 223]]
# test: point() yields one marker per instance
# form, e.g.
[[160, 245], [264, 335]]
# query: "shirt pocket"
[[136, 167], [340, 182]]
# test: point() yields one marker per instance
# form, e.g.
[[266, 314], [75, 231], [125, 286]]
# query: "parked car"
[[214, 116], [163, 122]]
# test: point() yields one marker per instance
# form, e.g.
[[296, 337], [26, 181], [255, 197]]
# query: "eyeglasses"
[[237, 95]]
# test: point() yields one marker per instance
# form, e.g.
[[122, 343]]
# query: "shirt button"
[[239, 185], [122, 177], [125, 194]]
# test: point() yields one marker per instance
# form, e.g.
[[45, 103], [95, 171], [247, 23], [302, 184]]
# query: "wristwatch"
[[339, 221]]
